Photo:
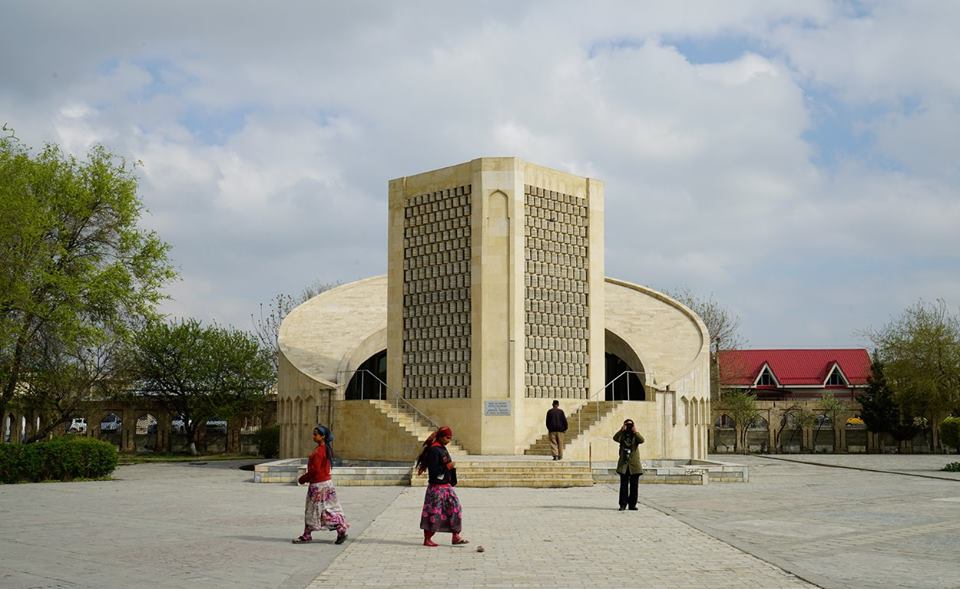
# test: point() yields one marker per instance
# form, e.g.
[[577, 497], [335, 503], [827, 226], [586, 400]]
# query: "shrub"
[[952, 467], [950, 432], [268, 441], [60, 459]]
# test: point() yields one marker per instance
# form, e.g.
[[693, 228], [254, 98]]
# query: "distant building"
[[795, 374], [785, 381]]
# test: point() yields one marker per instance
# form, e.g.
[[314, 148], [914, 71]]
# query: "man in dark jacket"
[[556, 425]]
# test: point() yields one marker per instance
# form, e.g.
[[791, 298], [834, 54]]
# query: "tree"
[[798, 416], [742, 407], [266, 326], [879, 409], [950, 432], [76, 271], [831, 409], [63, 378], [199, 372], [723, 328], [921, 355]]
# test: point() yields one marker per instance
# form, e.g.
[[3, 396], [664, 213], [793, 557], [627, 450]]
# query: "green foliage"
[[742, 407], [77, 271], [879, 411], [950, 432], [921, 354], [268, 441], [61, 459], [199, 372], [952, 467]]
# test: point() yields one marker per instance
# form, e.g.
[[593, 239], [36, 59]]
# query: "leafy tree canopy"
[[920, 351], [198, 372], [76, 270]]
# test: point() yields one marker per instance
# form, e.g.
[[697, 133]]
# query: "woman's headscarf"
[[442, 432], [327, 439]]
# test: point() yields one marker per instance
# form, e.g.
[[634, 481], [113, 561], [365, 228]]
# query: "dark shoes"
[[622, 507], [341, 538], [632, 508]]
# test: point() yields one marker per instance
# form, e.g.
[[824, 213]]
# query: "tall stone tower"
[[495, 287]]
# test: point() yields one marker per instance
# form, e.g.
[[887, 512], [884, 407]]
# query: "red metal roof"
[[794, 367]]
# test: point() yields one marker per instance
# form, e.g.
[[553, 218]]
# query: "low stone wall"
[[678, 472], [672, 472]]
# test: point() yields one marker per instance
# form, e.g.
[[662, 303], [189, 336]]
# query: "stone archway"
[[369, 380], [110, 428], [145, 433], [619, 358]]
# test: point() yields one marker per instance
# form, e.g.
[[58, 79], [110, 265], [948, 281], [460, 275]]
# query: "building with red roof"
[[795, 373], [785, 382]]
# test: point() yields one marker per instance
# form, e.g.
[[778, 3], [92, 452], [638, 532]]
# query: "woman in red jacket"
[[323, 511]]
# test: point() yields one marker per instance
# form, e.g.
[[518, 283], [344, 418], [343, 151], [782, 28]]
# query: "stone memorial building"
[[494, 304]]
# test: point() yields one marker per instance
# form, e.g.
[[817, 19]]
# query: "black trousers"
[[629, 498]]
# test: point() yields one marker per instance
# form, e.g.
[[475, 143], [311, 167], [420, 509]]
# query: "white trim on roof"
[[766, 369], [836, 368]]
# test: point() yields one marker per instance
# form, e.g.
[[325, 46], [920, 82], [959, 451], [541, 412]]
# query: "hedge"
[[61, 459], [268, 441], [950, 432]]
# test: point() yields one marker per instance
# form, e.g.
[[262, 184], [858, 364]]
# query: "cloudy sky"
[[798, 161]]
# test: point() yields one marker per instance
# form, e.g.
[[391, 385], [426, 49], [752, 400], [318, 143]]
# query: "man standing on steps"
[[556, 425]]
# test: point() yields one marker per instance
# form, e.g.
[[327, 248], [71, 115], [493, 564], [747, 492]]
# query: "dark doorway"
[[369, 381], [627, 387]]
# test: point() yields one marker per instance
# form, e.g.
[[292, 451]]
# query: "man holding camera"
[[556, 426], [628, 466]]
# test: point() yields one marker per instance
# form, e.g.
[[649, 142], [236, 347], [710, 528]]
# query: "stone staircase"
[[414, 424], [491, 472], [577, 423]]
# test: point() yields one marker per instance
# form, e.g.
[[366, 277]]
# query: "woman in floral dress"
[[441, 506], [323, 510]]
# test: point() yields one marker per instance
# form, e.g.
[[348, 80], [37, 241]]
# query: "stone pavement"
[[170, 525], [167, 525], [545, 538], [835, 527]]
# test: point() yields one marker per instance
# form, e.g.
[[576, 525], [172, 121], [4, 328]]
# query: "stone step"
[[410, 422], [579, 421], [539, 483]]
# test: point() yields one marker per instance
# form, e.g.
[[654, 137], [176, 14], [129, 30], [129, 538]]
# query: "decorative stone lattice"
[[557, 293], [436, 294]]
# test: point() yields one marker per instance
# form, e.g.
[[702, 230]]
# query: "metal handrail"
[[382, 387], [602, 389]]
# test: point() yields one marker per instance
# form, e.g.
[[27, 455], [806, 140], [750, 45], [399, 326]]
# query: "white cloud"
[[267, 141]]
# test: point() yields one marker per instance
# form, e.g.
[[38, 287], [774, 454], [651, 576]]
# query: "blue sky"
[[794, 160]]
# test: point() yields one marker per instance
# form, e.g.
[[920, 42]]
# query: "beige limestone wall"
[[302, 402], [362, 432], [497, 291], [319, 336], [597, 444]]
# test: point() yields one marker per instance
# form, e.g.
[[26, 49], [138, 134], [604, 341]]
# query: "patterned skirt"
[[323, 511], [441, 510]]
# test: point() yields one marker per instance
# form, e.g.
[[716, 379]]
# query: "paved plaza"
[[793, 525]]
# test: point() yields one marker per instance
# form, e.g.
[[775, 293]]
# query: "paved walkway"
[[837, 527], [545, 538], [207, 526]]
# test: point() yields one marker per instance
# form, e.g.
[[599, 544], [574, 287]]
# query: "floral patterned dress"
[[441, 506]]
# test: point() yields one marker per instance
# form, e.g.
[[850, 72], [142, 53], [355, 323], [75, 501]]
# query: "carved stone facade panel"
[[556, 294], [436, 294]]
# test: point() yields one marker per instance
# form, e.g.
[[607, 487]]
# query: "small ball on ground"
[[479, 548]]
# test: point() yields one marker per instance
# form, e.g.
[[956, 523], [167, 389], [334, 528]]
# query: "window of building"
[[766, 378], [836, 378]]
